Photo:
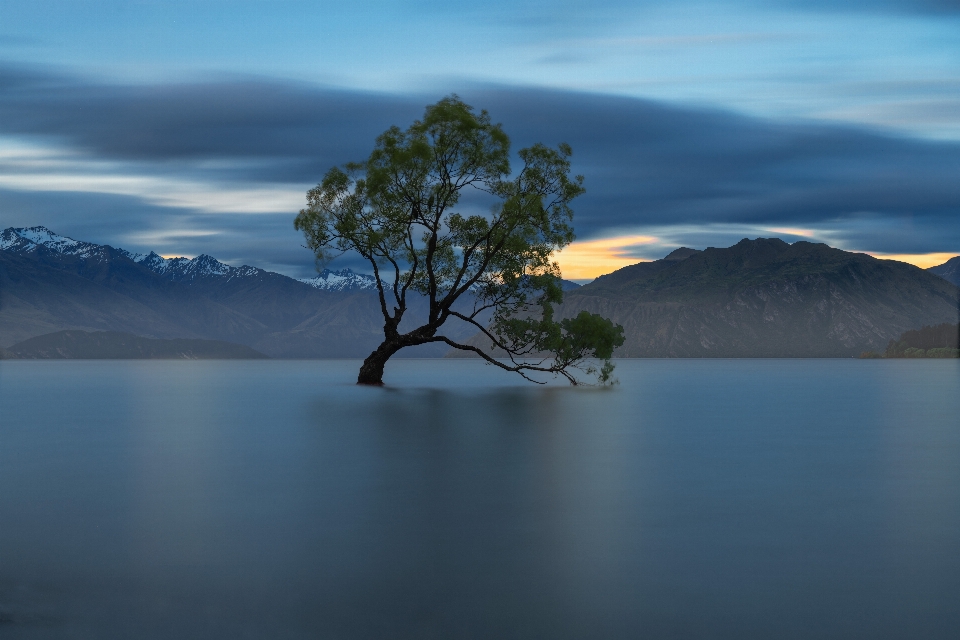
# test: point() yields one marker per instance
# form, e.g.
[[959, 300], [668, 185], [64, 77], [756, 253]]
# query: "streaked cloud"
[[761, 57], [35, 168], [167, 157], [922, 260], [793, 231], [164, 192], [589, 259], [688, 40]]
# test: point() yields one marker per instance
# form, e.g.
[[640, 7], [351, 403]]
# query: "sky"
[[197, 127]]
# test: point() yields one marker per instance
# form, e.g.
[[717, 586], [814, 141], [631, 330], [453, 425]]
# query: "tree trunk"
[[371, 372]]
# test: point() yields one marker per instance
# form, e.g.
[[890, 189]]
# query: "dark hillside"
[[181, 304], [66, 285], [638, 275], [942, 335], [949, 270], [766, 298], [98, 345], [759, 298], [37, 298], [941, 341]]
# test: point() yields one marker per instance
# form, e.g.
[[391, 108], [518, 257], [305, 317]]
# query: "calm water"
[[700, 499]]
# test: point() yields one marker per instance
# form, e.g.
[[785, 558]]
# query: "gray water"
[[699, 499]]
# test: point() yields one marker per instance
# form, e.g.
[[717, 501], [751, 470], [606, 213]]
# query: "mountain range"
[[51, 283], [765, 298], [759, 298]]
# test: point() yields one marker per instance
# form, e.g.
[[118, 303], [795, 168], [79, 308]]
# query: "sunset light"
[[793, 231], [590, 259], [922, 260]]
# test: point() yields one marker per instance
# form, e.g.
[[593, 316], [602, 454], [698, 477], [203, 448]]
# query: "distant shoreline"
[[116, 345]]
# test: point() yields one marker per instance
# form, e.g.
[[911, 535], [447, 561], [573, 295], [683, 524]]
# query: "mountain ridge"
[[761, 297], [949, 270], [179, 269], [765, 298], [50, 282]]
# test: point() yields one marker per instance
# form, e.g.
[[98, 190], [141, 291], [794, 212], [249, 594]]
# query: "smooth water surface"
[[699, 499]]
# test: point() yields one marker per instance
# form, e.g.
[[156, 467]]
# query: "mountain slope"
[[343, 280], [117, 345], [758, 298], [43, 290], [949, 270], [36, 299], [50, 283], [765, 298]]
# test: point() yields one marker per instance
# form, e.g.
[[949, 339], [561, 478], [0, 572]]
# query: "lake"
[[275, 499]]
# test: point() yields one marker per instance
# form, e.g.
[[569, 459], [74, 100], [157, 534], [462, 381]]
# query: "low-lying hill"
[[99, 345]]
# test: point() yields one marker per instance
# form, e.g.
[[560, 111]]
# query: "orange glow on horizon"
[[922, 260], [593, 258], [793, 231]]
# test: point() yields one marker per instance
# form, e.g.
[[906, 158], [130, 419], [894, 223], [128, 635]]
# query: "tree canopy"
[[402, 210]]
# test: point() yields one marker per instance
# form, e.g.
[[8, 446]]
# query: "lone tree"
[[396, 209]]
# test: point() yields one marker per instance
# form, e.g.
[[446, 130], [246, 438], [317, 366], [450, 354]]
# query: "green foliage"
[[940, 341], [399, 210], [569, 342], [943, 352]]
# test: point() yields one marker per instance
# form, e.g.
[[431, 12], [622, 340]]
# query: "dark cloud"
[[300, 129], [710, 155], [652, 164], [646, 164]]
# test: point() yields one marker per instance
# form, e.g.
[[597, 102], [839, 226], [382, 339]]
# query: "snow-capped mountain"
[[30, 239], [186, 269], [51, 282], [180, 269], [343, 280]]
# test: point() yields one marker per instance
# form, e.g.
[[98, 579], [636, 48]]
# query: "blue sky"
[[195, 127]]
